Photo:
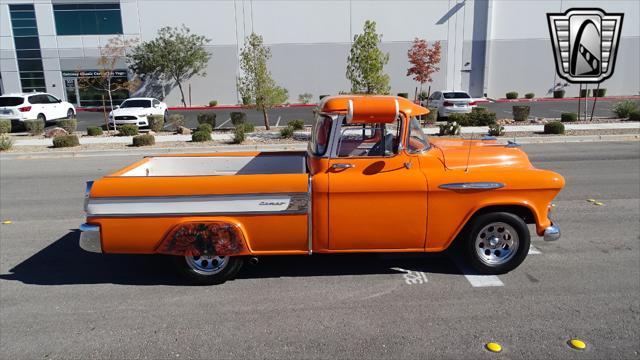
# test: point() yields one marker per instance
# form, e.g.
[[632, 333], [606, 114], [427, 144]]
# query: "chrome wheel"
[[207, 265], [496, 243]]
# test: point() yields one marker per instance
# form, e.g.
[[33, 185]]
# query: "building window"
[[25, 38], [88, 19]]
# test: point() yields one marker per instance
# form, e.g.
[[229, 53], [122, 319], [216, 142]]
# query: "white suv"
[[29, 106]]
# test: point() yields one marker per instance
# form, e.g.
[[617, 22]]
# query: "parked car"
[[30, 106], [450, 102], [136, 110], [370, 181]]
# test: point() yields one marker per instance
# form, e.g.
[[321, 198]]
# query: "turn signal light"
[[25, 109], [473, 103]]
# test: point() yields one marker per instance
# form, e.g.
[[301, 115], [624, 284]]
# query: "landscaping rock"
[[56, 131], [184, 130], [151, 132], [505, 121]]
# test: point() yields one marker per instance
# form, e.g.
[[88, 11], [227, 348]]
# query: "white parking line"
[[478, 280], [534, 251], [221, 125], [413, 277], [278, 122]]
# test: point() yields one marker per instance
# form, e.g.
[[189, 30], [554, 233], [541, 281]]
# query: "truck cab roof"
[[370, 108]]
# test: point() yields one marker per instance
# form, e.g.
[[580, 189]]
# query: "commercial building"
[[488, 47]]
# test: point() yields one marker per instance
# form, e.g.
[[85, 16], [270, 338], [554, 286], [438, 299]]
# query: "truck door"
[[377, 194]]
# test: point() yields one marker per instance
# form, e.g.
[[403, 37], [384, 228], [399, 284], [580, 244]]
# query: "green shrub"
[[238, 118], [296, 124], [207, 118], [213, 103], [512, 95], [248, 128], [529, 95], [6, 142], [94, 131], [496, 130], [176, 121], [451, 128], [479, 109], [65, 141], [634, 115], [585, 92], [70, 125], [622, 109], [144, 140], [5, 126], [201, 136], [156, 122], [460, 119], [128, 130], [599, 92], [404, 95], [423, 95], [239, 135], [305, 98], [568, 117], [521, 112], [554, 127], [558, 94], [204, 127], [432, 116], [286, 132], [34, 127], [481, 118]]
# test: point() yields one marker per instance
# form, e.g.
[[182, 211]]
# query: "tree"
[[174, 55], [111, 55], [257, 87], [366, 62], [424, 61]]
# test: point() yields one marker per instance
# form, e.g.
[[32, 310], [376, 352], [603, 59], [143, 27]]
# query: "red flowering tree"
[[424, 61]]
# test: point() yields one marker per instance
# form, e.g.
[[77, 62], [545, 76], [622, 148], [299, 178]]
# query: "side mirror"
[[117, 106]]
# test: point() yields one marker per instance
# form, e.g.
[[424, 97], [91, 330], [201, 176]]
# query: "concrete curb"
[[550, 139]]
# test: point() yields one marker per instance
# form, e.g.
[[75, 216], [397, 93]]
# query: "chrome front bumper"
[[90, 238], [552, 233]]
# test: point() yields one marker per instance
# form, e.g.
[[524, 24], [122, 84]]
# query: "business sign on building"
[[92, 73]]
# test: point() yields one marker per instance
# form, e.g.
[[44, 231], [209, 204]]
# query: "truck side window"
[[320, 135], [376, 139]]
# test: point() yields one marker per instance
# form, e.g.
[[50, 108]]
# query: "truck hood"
[[480, 153]]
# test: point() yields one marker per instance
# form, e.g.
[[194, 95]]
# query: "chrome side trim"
[[240, 204], [552, 233], [90, 238], [472, 186], [310, 217]]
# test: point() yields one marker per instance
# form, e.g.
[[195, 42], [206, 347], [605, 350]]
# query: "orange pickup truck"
[[370, 181]]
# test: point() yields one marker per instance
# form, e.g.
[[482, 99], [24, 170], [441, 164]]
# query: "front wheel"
[[70, 114], [497, 243], [208, 270]]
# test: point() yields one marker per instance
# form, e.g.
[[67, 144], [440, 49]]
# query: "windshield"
[[417, 139], [136, 103], [456, 95], [11, 101]]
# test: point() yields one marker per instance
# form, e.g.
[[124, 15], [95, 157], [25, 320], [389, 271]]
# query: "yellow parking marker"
[[7, 222], [598, 203], [577, 344], [591, 200], [494, 347]]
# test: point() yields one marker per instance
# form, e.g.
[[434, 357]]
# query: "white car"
[[30, 106], [136, 110], [450, 102]]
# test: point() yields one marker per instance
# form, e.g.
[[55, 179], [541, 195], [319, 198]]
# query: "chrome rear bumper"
[[552, 233], [90, 238]]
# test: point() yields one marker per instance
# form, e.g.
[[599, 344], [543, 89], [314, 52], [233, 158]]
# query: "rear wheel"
[[496, 243], [208, 270], [42, 118], [70, 114]]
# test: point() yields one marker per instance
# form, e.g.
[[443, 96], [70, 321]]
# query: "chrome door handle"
[[342, 166]]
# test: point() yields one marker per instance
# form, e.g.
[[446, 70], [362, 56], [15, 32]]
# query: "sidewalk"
[[274, 134]]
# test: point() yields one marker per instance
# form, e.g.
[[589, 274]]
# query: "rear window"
[[456, 95], [11, 101]]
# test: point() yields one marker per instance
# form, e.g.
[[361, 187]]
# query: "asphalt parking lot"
[[280, 116], [57, 301]]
